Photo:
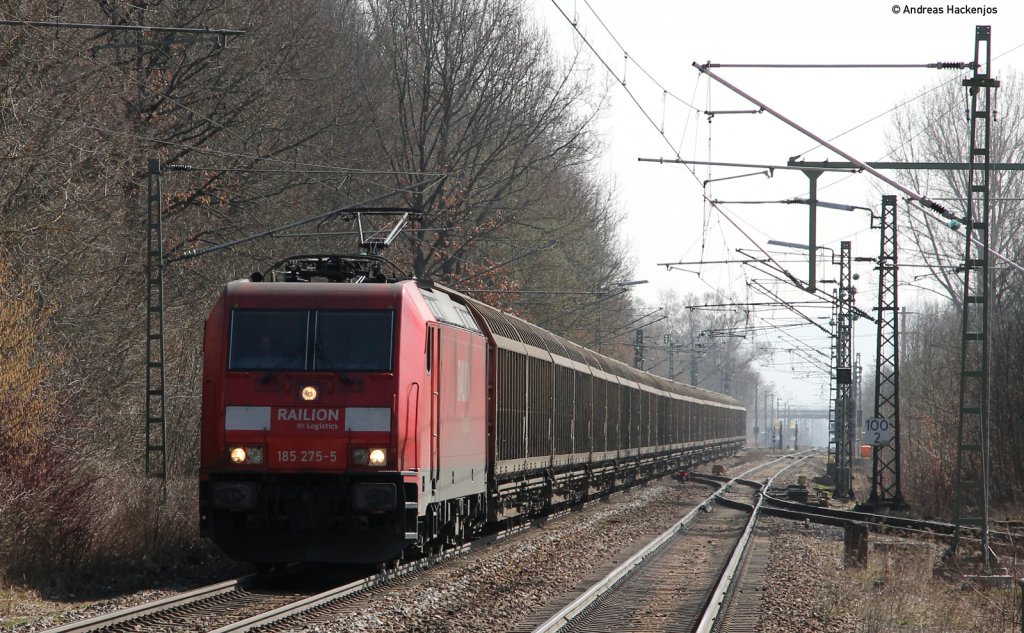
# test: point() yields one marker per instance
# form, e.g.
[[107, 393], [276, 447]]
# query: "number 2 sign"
[[878, 431]]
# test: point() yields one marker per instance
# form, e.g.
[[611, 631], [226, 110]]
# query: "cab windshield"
[[311, 340]]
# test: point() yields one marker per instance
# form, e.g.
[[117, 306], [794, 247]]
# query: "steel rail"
[[164, 604], [304, 605], [595, 592], [883, 523], [725, 582], [128, 614], [331, 595]]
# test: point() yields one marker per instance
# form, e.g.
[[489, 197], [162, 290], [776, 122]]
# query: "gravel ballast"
[[510, 585]]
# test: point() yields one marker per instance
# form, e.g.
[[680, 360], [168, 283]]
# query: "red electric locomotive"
[[354, 422]]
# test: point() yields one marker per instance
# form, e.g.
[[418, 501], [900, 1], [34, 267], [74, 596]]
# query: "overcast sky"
[[651, 45]]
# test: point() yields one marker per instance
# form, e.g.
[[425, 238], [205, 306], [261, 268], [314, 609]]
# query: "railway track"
[[675, 601], [707, 572], [253, 602], [679, 582], [345, 603], [204, 608]]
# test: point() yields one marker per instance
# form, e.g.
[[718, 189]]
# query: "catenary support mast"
[[885, 459], [845, 424], [972, 457], [156, 451]]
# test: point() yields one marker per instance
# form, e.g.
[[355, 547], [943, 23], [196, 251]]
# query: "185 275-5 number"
[[307, 457]]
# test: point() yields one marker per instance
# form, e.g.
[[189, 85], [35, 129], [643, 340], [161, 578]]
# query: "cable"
[[621, 81], [665, 91], [893, 109]]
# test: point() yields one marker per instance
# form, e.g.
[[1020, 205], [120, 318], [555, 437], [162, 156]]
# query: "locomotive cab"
[[300, 458]]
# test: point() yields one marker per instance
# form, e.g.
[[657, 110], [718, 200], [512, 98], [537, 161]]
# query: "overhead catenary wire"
[[612, 72], [975, 240], [574, 24], [601, 299], [915, 198], [890, 110], [665, 91], [345, 171], [719, 208], [936, 65], [626, 327], [197, 252], [143, 28], [817, 291], [923, 200], [807, 352]]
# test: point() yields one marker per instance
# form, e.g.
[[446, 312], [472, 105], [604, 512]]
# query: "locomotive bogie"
[[280, 518]]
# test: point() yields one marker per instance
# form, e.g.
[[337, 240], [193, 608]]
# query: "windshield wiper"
[[281, 365], [325, 357]]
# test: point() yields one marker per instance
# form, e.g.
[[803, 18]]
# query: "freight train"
[[358, 423]]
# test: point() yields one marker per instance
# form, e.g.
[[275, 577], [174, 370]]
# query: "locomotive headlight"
[[360, 456], [369, 456], [246, 454], [309, 393]]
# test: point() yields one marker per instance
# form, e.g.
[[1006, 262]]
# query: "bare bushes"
[[65, 512], [46, 497], [930, 408], [929, 374]]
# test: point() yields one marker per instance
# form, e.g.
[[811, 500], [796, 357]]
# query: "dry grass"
[[900, 590], [906, 587], [19, 606]]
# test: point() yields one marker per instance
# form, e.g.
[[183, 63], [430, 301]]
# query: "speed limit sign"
[[878, 431]]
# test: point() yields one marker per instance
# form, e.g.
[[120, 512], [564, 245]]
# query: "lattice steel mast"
[[833, 416], [363, 266], [845, 428], [972, 456], [885, 461], [156, 451]]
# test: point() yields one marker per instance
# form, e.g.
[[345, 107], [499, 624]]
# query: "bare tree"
[[928, 389], [709, 339], [938, 130], [80, 123], [571, 249], [471, 90], [319, 105]]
